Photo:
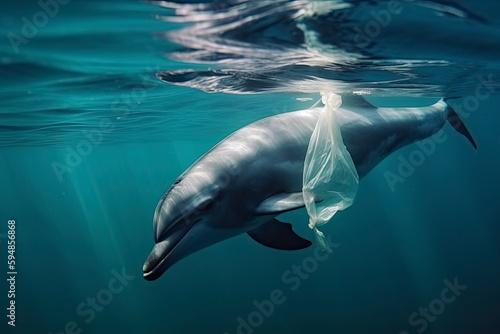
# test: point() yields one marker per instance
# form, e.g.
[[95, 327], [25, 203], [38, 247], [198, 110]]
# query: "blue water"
[[127, 95]]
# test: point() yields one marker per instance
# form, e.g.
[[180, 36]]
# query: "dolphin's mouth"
[[159, 260]]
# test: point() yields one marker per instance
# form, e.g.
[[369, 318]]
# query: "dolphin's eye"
[[206, 206]]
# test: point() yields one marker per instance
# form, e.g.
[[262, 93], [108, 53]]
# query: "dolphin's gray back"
[[269, 154], [370, 135]]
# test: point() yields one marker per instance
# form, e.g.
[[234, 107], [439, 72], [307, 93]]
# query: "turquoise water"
[[92, 91]]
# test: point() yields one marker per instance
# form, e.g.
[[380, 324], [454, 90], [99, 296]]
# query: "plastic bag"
[[330, 179]]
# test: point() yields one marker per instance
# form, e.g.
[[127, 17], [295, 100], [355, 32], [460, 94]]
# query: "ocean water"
[[103, 104]]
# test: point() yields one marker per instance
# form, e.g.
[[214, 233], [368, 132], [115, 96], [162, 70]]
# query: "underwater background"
[[103, 104]]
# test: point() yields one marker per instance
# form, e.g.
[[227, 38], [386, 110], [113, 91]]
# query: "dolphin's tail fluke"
[[457, 123]]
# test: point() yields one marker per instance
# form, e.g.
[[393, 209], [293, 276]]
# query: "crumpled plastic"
[[330, 179]]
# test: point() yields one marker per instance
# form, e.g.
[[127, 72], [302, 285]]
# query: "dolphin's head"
[[188, 218]]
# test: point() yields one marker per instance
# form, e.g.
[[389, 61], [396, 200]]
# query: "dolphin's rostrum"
[[255, 174]]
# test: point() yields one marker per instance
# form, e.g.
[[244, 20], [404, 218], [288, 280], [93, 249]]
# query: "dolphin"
[[255, 174]]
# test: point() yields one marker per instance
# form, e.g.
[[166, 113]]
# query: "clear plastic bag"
[[330, 179]]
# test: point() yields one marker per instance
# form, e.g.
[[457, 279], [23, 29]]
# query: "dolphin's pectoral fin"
[[278, 235], [281, 202]]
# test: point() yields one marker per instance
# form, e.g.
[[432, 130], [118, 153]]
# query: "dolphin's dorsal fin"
[[354, 100], [278, 235], [281, 202]]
